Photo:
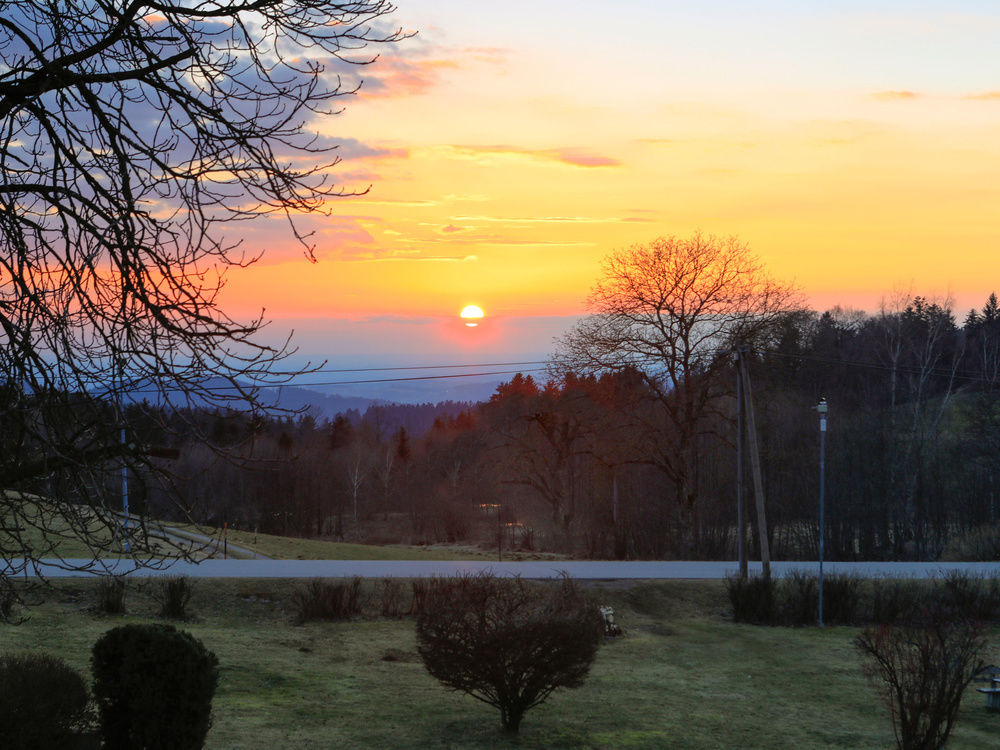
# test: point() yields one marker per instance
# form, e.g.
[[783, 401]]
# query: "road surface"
[[581, 569]]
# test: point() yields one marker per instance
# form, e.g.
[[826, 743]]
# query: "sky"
[[510, 146]]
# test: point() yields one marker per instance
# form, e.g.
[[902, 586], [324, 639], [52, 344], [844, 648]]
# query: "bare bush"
[[921, 670], [507, 642], [173, 597], [111, 595], [326, 600]]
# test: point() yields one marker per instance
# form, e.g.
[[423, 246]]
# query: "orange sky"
[[855, 150]]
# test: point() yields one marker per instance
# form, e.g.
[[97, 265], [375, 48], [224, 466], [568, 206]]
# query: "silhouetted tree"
[[672, 310], [133, 135]]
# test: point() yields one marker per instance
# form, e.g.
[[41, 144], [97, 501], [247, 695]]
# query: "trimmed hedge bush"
[[153, 685], [44, 704]]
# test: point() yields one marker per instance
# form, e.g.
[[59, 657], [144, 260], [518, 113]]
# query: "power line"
[[397, 380], [429, 367]]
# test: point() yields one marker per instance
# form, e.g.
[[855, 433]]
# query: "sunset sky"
[[510, 146]]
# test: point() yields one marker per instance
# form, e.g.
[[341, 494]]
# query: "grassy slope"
[[682, 677], [292, 548], [64, 540]]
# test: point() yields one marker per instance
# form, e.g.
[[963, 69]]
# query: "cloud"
[[351, 148], [400, 76], [332, 147], [895, 96], [410, 71], [380, 255], [984, 96], [540, 219], [575, 157]]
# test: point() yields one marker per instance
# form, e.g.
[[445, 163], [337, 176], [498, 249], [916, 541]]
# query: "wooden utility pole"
[[758, 480], [740, 526]]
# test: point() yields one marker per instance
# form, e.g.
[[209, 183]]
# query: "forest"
[[581, 463]]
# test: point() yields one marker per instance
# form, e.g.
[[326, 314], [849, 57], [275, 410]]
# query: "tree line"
[[579, 462]]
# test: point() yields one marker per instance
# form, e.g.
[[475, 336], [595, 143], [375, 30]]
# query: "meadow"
[[683, 676]]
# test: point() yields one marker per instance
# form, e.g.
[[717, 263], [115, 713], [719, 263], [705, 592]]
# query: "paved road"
[[596, 570], [209, 546]]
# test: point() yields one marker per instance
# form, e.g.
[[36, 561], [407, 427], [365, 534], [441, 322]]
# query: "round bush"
[[153, 685], [43, 703]]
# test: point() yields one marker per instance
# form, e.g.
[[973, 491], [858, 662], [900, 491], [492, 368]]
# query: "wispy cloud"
[[351, 148], [408, 70], [382, 255], [895, 96], [984, 96], [540, 219], [576, 157]]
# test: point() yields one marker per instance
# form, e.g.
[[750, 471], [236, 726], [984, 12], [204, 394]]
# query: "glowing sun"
[[471, 314]]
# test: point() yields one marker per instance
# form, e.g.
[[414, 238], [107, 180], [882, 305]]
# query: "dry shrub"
[[507, 642], [111, 595], [921, 670], [327, 600], [173, 596]]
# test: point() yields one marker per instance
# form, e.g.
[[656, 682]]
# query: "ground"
[[683, 676]]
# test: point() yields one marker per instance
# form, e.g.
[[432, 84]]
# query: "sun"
[[471, 314]]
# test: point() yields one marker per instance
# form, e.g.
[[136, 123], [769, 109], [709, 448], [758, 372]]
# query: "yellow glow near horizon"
[[496, 174]]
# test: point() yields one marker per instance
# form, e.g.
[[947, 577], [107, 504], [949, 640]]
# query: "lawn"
[[683, 676], [292, 548]]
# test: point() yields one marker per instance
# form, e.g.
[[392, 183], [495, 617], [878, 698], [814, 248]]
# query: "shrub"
[[506, 642], [921, 670], [418, 588], [153, 685], [754, 599], [799, 596], [841, 599], [325, 600], [111, 595], [895, 600], [10, 603], [972, 596], [173, 596], [44, 703], [390, 594]]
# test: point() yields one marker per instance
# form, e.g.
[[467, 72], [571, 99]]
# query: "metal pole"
[[741, 553], [821, 408], [499, 536], [128, 547]]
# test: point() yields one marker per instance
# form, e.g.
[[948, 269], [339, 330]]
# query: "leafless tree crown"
[[134, 137]]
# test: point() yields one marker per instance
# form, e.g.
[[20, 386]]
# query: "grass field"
[[683, 676], [292, 548], [64, 524]]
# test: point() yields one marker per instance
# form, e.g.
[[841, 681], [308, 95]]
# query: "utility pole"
[[758, 480], [741, 552], [821, 408]]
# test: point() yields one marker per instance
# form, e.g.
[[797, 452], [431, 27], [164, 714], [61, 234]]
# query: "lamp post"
[[821, 408], [128, 546]]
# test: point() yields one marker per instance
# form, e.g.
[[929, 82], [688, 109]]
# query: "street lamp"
[[821, 408]]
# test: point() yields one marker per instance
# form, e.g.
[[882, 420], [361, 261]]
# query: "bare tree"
[[134, 136], [673, 310]]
